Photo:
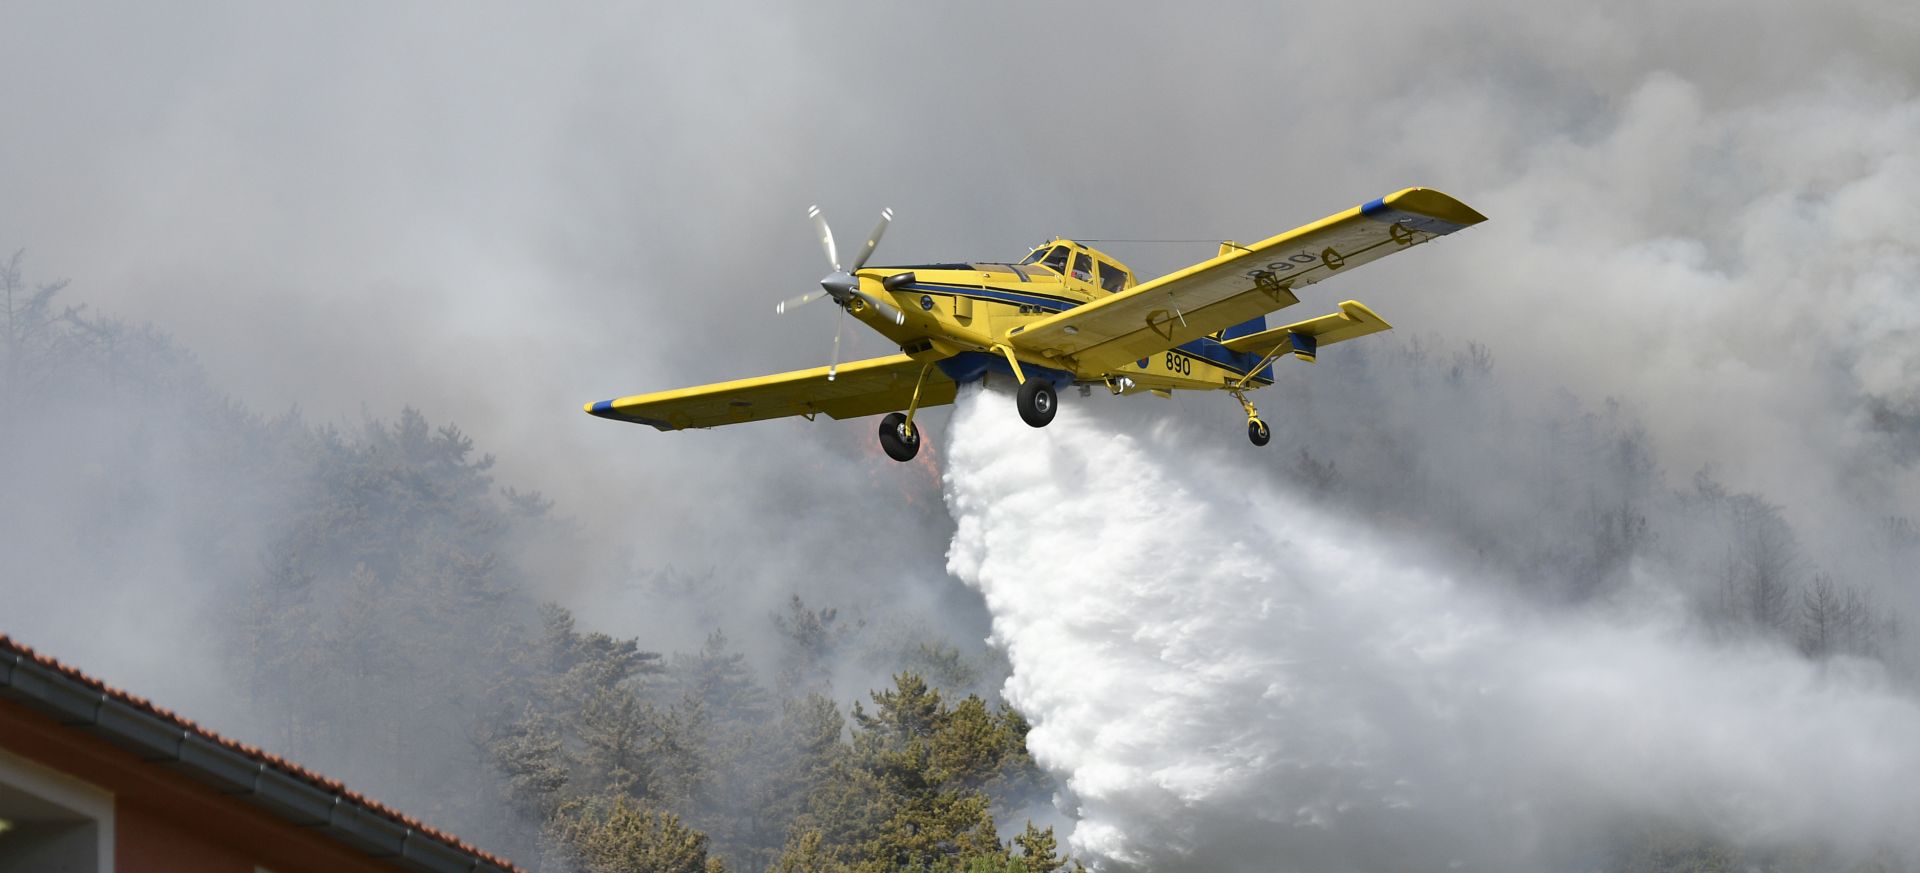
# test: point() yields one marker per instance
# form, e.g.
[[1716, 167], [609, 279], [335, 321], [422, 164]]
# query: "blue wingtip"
[[602, 408]]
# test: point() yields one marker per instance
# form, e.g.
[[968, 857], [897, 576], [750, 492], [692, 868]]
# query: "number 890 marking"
[[1177, 363]]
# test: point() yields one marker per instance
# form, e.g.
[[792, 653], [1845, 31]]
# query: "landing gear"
[[1257, 431], [898, 435], [899, 439], [1038, 402]]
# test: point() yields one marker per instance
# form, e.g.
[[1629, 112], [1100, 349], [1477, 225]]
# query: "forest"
[[376, 603]]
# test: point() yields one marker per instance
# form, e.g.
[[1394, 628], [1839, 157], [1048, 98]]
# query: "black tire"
[[1258, 432], [898, 446], [1038, 402]]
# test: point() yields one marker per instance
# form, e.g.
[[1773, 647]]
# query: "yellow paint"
[[1032, 316]]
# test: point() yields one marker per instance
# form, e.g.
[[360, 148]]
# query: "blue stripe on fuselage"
[[969, 366], [1051, 304]]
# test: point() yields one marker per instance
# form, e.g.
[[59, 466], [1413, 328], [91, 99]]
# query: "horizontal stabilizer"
[[1304, 338]]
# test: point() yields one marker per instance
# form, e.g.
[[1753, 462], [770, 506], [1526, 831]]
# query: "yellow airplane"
[[1066, 315]]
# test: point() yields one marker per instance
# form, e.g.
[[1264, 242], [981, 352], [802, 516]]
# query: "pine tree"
[[625, 836]]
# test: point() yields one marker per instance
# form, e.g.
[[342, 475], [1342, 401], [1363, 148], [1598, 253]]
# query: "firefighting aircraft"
[[1066, 315]]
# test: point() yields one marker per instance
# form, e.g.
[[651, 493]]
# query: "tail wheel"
[[1038, 402], [900, 443], [1257, 432]]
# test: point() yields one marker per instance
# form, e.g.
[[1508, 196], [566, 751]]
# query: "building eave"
[[286, 790]]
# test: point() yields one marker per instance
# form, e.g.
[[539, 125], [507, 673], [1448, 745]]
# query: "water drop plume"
[[1226, 677]]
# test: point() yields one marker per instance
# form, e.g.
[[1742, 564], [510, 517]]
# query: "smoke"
[[1720, 263], [1703, 210], [1227, 676], [495, 215]]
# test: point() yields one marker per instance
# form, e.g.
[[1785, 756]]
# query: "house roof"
[[281, 787]]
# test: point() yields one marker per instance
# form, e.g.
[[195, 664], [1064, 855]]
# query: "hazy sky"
[[498, 212]]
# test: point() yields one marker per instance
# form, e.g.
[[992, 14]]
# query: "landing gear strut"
[[1257, 431], [899, 438]]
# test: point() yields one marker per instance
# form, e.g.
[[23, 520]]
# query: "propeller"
[[797, 301], [841, 284]]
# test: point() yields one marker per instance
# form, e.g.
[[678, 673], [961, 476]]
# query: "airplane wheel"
[[899, 445], [1257, 432], [1038, 402]]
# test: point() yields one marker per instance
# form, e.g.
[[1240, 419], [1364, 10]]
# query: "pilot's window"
[[1112, 278], [1083, 267], [1037, 255], [1057, 259]]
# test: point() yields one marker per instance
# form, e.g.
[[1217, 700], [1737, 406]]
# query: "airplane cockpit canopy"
[[1052, 257], [1071, 259]]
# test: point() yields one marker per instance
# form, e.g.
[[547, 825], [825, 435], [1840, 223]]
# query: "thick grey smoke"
[[1723, 265], [1227, 677], [497, 215], [1701, 211]]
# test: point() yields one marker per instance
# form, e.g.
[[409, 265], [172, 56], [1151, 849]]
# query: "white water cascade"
[[1225, 678]]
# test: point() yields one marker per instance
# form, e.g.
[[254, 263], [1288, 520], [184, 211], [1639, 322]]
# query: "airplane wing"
[[1249, 281], [859, 388]]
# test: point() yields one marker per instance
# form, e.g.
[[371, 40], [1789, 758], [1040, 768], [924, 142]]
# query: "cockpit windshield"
[[1055, 259]]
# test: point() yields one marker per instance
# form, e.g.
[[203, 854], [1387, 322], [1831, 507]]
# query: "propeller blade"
[[873, 240], [826, 236], [798, 301], [889, 311], [834, 366]]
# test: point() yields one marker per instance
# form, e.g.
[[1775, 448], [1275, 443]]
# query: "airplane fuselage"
[[961, 315]]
